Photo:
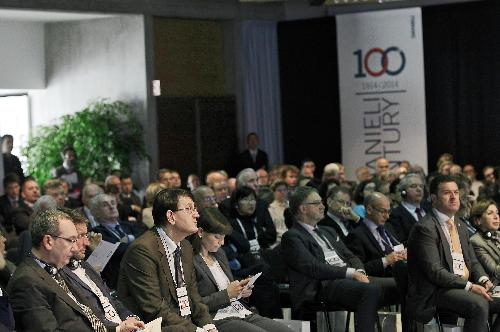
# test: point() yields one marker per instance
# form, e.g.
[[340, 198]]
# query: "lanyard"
[[243, 229], [163, 238]]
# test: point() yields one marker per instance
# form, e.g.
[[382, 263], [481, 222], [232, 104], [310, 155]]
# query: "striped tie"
[[96, 323]]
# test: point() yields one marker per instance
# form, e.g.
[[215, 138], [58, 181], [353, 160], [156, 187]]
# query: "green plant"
[[104, 136]]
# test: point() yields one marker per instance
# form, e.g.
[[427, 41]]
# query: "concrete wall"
[[89, 60], [22, 53]]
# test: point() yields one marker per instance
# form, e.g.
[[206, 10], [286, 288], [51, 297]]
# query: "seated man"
[[40, 298], [340, 215], [104, 209], [30, 193], [79, 275], [320, 267], [373, 242], [409, 212], [157, 275], [444, 273]]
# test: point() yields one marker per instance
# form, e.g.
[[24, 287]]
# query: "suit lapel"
[[444, 243], [372, 239], [464, 241], [52, 284], [165, 267], [206, 270], [313, 245], [71, 275]]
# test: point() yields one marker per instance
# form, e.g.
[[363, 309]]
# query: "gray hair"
[[406, 181], [242, 177], [200, 193], [45, 202], [373, 197], [95, 201], [46, 223]]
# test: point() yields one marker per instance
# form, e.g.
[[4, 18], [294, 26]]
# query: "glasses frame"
[[72, 241]]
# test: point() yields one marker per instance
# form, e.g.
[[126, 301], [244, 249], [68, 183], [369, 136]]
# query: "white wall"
[[90, 60], [22, 54]]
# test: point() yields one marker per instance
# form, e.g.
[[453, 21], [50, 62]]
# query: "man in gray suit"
[[444, 273]]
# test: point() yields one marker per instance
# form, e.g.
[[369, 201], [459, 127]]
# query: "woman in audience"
[[277, 208], [147, 212], [486, 242], [219, 291], [253, 234]]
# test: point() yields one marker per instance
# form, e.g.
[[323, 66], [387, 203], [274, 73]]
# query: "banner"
[[382, 96]]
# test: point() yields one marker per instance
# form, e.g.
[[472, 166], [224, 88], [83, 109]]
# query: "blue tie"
[[385, 240]]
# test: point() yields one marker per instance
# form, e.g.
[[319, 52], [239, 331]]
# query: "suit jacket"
[[109, 273], [488, 255], [327, 221], [364, 245], [402, 222], [6, 210], [207, 285], [245, 160], [146, 286], [40, 304], [430, 266], [307, 268], [75, 283], [11, 164], [20, 217]]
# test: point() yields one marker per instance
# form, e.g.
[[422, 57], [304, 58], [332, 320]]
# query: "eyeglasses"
[[313, 203], [81, 236], [416, 185], [344, 203], [189, 209], [382, 211], [72, 241], [248, 200]]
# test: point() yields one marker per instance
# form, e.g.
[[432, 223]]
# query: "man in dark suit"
[[157, 276], [253, 157], [444, 273], [104, 209], [40, 298], [30, 193], [320, 265], [130, 202], [11, 163], [340, 215], [373, 242], [10, 200], [69, 171], [80, 276], [409, 212]]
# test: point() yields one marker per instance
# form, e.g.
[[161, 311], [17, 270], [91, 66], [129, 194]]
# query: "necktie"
[[179, 280], [347, 225], [419, 213], [15, 203], [96, 323], [323, 237], [385, 240], [455, 243]]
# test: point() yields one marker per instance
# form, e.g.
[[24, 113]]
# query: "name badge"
[[254, 246], [183, 300], [332, 258], [238, 306], [458, 263]]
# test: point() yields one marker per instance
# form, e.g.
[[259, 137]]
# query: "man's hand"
[[358, 276], [131, 324], [349, 214], [480, 290], [94, 240], [394, 257]]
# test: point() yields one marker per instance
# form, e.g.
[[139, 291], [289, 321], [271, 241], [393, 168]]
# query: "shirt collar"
[[371, 225], [308, 227], [332, 216], [171, 245], [441, 217], [410, 206]]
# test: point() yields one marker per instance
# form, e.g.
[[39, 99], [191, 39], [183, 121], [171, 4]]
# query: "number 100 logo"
[[377, 62]]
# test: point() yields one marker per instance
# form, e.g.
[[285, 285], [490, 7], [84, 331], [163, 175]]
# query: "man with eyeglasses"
[[157, 276], [105, 211], [373, 241], [40, 298], [80, 276], [204, 197], [321, 267], [340, 215], [403, 217]]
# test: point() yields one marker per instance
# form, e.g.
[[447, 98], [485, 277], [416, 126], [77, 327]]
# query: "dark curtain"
[[462, 77], [309, 91]]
